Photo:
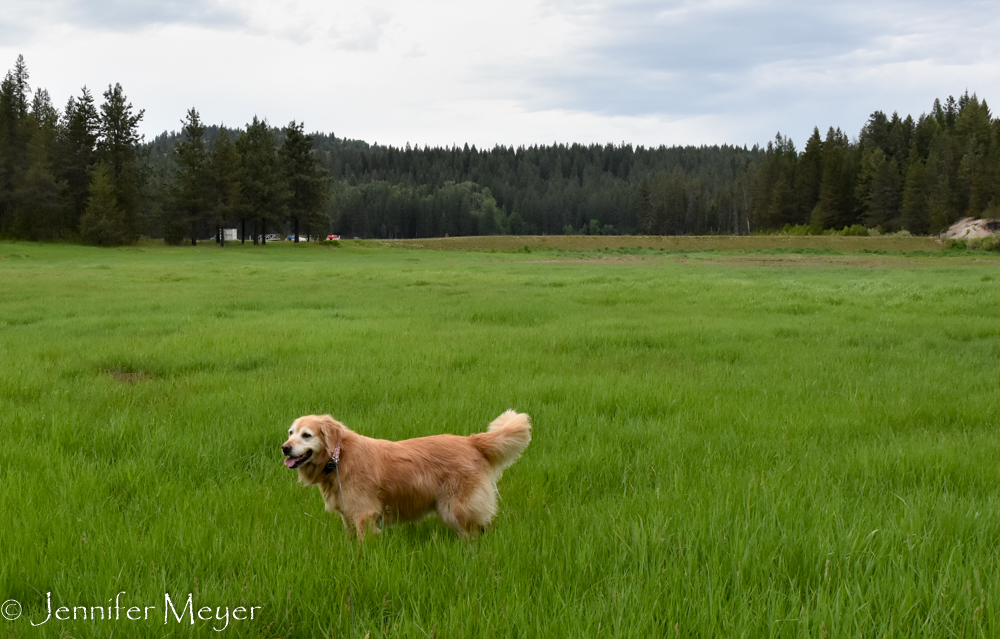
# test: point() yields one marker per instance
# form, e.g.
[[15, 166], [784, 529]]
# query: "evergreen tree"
[[782, 208], [940, 170], [37, 203], [305, 179], [261, 181], [647, 221], [809, 175], [914, 206], [878, 190], [78, 136], [227, 202], [836, 207], [926, 130], [886, 197], [117, 148], [977, 170], [900, 139], [777, 171], [192, 196], [14, 100], [105, 222]]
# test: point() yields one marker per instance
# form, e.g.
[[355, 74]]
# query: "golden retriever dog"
[[374, 482]]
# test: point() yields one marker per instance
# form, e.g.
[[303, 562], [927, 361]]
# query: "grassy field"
[[674, 243], [735, 441]]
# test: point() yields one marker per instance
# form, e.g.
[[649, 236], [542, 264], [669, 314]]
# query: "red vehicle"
[[333, 237]]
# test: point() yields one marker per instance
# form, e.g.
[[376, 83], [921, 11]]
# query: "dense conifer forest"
[[84, 173]]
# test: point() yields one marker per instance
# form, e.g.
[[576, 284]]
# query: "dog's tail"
[[504, 440]]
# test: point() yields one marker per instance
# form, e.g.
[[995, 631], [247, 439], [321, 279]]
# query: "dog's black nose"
[[286, 449]]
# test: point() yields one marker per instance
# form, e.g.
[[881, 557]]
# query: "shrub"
[[855, 230], [988, 243], [798, 229]]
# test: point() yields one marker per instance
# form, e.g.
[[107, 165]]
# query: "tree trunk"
[[243, 230], [194, 242], [296, 229], [255, 236], [263, 232], [222, 236]]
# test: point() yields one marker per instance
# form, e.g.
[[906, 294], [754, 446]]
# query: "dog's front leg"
[[368, 521]]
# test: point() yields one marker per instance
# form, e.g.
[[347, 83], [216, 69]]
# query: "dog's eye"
[[306, 436]]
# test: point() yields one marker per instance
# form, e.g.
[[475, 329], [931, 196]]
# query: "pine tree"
[[14, 134], [878, 190], [78, 136], [192, 196], [782, 209], [117, 148], [940, 171], [305, 179], [647, 221], [37, 202], [836, 198], [104, 222], [809, 175], [976, 177], [261, 181], [227, 201], [914, 207]]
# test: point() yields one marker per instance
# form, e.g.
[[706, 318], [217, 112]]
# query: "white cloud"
[[526, 71]]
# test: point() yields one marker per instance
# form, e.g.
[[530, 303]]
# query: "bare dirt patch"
[[130, 378], [604, 259], [861, 261], [668, 243]]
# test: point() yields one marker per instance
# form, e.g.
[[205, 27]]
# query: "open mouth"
[[295, 462]]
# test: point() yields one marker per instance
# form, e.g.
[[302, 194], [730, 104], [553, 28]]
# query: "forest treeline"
[[83, 172]]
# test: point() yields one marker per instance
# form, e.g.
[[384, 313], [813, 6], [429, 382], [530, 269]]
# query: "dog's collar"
[[334, 460]]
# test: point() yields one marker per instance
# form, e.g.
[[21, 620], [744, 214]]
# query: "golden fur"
[[386, 482]]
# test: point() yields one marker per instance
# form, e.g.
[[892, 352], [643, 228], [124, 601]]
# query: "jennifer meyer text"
[[173, 610]]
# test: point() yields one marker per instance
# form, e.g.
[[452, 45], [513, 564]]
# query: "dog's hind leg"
[[471, 513], [482, 505], [453, 513]]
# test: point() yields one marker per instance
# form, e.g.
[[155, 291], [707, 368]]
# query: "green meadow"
[[729, 441]]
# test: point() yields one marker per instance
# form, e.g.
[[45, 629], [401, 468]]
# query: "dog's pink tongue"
[[290, 461]]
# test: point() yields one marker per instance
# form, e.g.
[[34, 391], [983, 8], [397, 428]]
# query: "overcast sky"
[[516, 72]]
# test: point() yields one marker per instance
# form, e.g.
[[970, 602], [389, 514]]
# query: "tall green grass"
[[725, 444]]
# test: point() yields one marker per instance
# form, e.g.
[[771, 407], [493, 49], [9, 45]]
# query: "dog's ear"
[[331, 431]]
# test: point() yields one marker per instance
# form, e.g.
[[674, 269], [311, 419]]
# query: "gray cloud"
[[22, 20], [687, 58], [128, 14], [636, 70]]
